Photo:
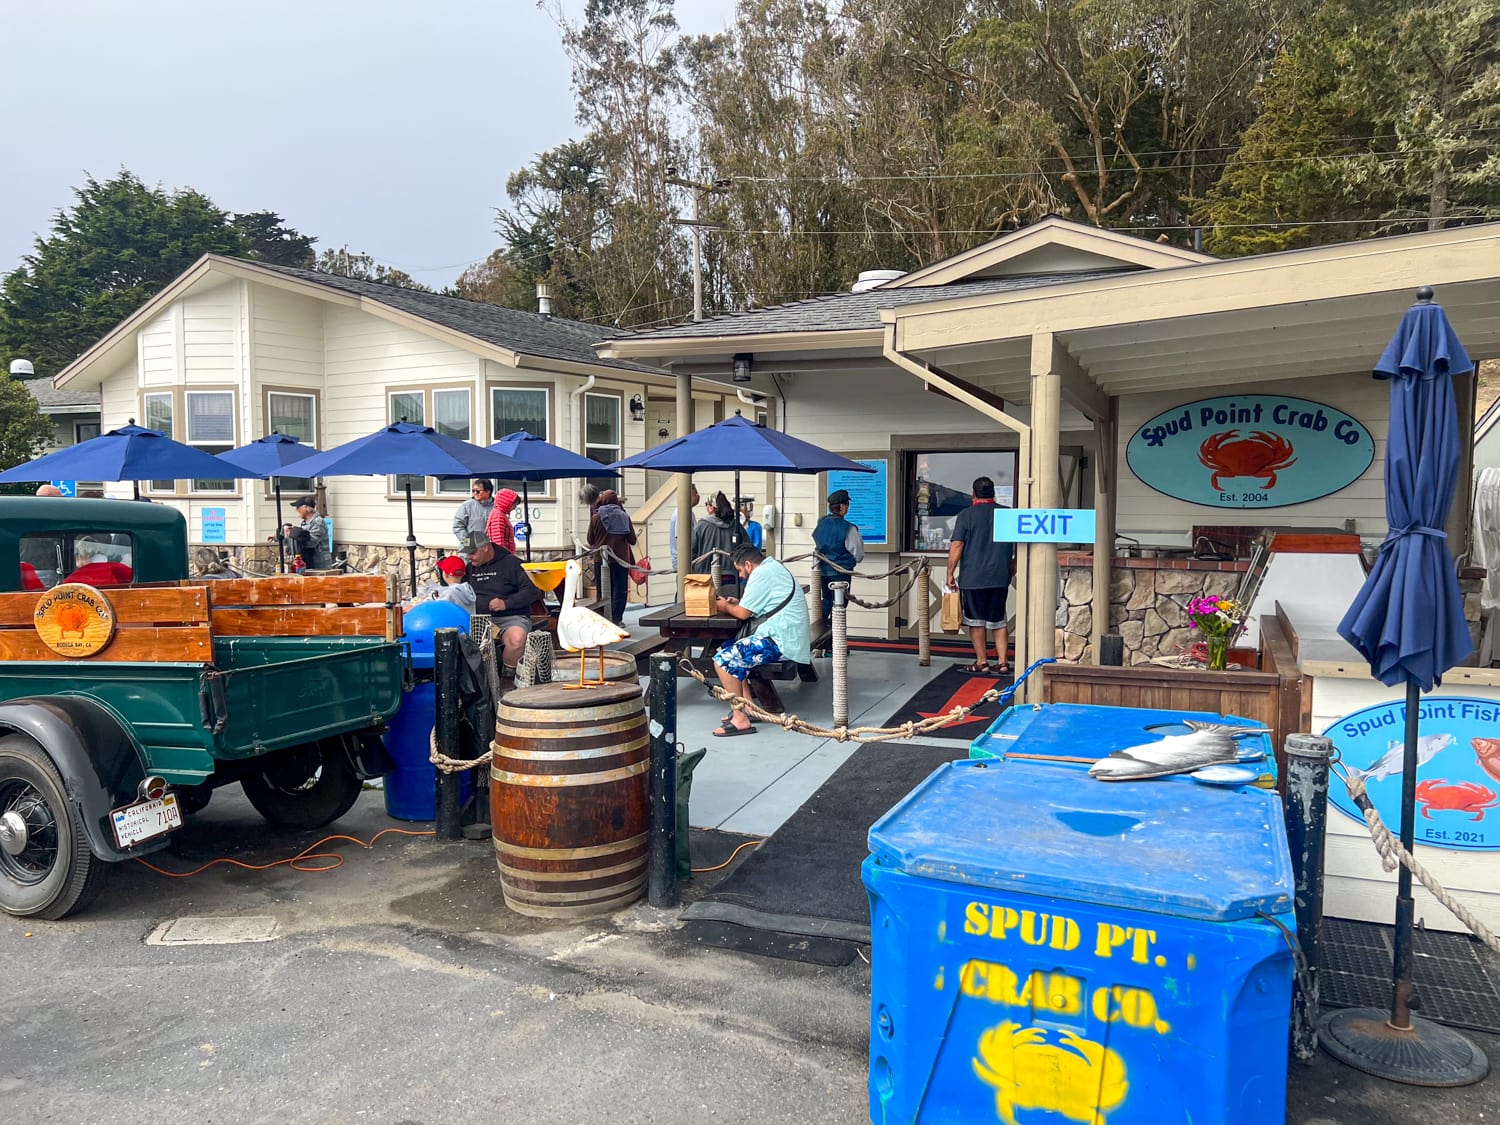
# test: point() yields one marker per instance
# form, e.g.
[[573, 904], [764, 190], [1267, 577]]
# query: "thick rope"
[[861, 734], [1392, 855], [840, 654], [924, 615]]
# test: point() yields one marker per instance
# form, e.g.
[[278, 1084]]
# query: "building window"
[[513, 409], [158, 416], [450, 412], [453, 417], [85, 431], [940, 484], [210, 427], [295, 415], [601, 432]]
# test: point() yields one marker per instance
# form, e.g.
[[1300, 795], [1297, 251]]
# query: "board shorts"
[[984, 606], [739, 658], [504, 621]]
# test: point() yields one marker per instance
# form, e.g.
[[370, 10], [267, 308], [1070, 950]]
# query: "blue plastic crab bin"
[[1048, 948], [411, 789]]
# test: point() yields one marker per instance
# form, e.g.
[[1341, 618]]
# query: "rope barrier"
[[1392, 855]]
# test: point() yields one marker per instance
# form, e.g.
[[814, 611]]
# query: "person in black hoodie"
[[504, 590], [716, 531]]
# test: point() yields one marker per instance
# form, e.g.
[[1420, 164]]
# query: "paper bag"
[[699, 597], [952, 611]]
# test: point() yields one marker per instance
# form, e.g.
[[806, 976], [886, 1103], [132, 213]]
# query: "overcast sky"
[[386, 125]]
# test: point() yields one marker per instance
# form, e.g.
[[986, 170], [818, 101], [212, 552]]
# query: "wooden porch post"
[[684, 488], [1106, 484], [1040, 624]]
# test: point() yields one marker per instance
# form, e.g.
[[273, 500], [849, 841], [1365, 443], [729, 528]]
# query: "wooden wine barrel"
[[568, 787], [617, 666]]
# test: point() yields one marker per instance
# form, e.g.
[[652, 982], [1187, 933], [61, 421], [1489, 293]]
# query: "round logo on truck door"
[[74, 620]]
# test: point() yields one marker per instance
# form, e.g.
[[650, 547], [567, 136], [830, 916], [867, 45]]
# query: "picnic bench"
[[682, 633]]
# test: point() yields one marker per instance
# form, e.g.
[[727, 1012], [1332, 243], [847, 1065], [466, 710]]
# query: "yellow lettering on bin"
[[976, 918], [1141, 949], [1110, 937], [1066, 934], [1134, 1007]]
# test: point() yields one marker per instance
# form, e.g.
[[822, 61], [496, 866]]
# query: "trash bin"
[[411, 789], [1049, 948]]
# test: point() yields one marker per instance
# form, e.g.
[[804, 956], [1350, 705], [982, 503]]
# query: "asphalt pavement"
[[398, 989]]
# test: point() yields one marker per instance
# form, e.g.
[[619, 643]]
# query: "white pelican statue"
[[579, 629]]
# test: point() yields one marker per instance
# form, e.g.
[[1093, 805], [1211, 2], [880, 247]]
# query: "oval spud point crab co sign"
[[74, 620], [1250, 451]]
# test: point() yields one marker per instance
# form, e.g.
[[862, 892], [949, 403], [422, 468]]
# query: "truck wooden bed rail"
[[178, 622]]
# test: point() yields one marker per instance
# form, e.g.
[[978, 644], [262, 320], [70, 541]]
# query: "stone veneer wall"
[[1147, 599]]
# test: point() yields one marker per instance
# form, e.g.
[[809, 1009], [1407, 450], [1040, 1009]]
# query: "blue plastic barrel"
[[411, 789], [1048, 948]]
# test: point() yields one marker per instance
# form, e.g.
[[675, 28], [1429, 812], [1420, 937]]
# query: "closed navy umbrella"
[[552, 462], [130, 453], [269, 455], [1408, 622], [408, 449]]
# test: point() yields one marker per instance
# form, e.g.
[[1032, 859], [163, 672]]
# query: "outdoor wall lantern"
[[742, 367], [637, 408]]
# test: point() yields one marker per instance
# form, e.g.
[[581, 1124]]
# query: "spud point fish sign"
[[1250, 451], [1458, 767]]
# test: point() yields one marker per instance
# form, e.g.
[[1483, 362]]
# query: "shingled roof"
[[529, 333], [55, 401], [841, 312]]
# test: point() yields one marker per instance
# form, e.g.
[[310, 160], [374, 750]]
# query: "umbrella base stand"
[[1427, 1055]]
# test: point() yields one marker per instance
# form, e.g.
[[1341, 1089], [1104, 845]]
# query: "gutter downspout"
[[572, 505], [958, 389]]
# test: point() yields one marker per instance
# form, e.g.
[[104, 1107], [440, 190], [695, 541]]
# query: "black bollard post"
[[445, 661], [1308, 757], [661, 879]]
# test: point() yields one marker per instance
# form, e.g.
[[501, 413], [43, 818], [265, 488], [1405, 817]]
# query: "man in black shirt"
[[504, 590], [981, 569]]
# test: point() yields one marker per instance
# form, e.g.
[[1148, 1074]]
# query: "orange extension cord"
[[308, 853], [311, 853]]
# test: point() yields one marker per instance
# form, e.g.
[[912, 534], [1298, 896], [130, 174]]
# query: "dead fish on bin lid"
[[1205, 744]]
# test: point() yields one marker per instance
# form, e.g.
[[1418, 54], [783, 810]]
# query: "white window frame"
[[619, 404], [432, 489], [160, 487], [535, 490], [456, 487], [317, 407], [234, 427]]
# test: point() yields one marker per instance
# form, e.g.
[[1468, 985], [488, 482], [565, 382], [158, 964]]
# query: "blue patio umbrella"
[[408, 449], [130, 453], [739, 445], [1408, 622], [552, 462], [268, 455]]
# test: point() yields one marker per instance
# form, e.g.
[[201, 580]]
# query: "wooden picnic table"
[[684, 631]]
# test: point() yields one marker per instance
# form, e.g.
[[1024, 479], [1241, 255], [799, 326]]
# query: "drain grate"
[[214, 931], [1455, 985]]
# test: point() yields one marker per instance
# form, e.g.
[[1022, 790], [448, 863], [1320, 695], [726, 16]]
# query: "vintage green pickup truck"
[[129, 691]]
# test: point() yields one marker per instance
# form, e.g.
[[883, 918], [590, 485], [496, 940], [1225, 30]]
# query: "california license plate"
[[146, 820]]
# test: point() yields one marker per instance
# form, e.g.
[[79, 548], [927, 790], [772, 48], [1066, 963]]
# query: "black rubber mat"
[[799, 894], [1457, 980], [951, 688]]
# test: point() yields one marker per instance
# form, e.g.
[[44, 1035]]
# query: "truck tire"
[[46, 868], [304, 786]]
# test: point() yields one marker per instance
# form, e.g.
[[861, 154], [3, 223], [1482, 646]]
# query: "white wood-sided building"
[[232, 350]]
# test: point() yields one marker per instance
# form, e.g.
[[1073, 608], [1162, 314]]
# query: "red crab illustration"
[[72, 618], [1487, 753], [1455, 796], [1259, 455]]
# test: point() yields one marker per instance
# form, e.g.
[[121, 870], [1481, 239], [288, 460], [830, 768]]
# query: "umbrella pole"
[[736, 538], [1405, 907], [136, 486], [526, 507], [280, 539], [411, 539]]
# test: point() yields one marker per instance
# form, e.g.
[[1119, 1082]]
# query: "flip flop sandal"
[[1002, 669], [729, 730], [976, 669]]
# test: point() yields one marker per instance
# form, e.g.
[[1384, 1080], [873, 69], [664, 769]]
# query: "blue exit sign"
[[1044, 525]]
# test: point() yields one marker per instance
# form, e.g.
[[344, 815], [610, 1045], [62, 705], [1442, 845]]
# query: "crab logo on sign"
[[74, 620], [1250, 451]]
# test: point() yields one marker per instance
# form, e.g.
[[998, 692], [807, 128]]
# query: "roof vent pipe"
[[874, 279], [544, 299]]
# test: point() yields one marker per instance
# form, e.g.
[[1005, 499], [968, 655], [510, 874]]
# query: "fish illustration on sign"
[[1443, 795], [1074, 1077], [1487, 754], [1260, 455], [1429, 746]]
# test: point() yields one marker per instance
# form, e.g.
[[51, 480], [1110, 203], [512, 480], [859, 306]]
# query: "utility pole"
[[685, 380]]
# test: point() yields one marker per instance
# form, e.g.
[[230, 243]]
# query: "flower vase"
[[1218, 653]]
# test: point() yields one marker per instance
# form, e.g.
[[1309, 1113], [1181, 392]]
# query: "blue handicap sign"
[[66, 487]]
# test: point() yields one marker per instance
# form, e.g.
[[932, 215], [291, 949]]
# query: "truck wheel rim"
[[28, 833]]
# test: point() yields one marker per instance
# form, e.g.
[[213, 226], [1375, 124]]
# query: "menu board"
[[868, 501]]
